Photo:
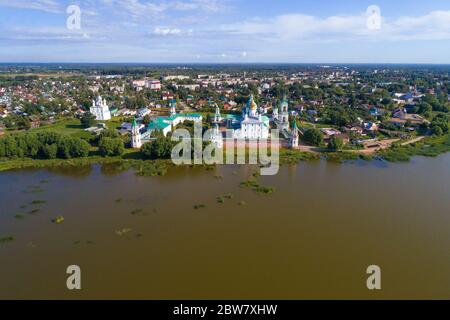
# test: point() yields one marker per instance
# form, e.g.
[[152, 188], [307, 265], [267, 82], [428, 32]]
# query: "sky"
[[226, 31]]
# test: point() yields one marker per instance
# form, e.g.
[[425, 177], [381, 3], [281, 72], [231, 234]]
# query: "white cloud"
[[432, 26], [205, 5], [162, 31], [166, 31], [40, 5], [141, 8]]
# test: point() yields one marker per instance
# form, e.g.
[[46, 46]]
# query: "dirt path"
[[413, 141], [384, 144]]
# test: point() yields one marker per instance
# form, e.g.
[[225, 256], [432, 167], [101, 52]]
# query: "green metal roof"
[[159, 124], [233, 116], [190, 115]]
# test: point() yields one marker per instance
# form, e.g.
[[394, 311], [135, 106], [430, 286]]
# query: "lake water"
[[141, 238]]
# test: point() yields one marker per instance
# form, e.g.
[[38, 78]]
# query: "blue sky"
[[224, 31]]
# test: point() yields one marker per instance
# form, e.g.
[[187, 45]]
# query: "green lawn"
[[70, 127], [115, 122], [74, 128]]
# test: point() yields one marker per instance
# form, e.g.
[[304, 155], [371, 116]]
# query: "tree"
[[440, 122], [50, 151], [161, 148], [147, 119], [110, 147], [109, 133], [87, 120], [47, 145], [80, 148], [335, 143], [313, 136], [437, 131]]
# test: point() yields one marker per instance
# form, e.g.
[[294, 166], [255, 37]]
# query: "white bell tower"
[[136, 141]]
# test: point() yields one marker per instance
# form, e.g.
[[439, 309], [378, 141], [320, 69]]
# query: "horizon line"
[[236, 63]]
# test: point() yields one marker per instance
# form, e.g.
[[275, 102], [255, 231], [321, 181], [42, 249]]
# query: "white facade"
[[294, 137], [253, 126], [136, 140], [282, 118], [285, 111], [154, 85], [100, 109], [217, 117]]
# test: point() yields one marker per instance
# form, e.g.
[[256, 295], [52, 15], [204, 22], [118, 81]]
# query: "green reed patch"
[[220, 200], [6, 239], [58, 219], [37, 202]]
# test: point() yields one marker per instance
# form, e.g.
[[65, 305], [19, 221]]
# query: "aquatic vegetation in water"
[[242, 203], [6, 239], [24, 206], [44, 181], [199, 206], [37, 202], [136, 211], [151, 168], [220, 200], [256, 174], [119, 200], [58, 219], [19, 216], [264, 189], [123, 231], [249, 184], [34, 211], [255, 186]]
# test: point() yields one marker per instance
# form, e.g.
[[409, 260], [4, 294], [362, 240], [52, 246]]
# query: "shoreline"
[[400, 152]]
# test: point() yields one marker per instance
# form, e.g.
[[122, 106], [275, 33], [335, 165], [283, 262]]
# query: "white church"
[[100, 109], [253, 124]]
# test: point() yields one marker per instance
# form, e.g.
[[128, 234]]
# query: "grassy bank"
[[428, 147], [142, 167]]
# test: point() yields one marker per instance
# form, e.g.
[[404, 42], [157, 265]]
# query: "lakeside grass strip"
[[428, 147]]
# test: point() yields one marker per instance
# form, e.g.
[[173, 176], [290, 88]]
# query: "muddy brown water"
[[141, 238]]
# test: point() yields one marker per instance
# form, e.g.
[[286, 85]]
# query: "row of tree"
[[45, 145]]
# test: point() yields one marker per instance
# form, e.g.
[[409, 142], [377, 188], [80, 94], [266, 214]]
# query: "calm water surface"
[[314, 237]]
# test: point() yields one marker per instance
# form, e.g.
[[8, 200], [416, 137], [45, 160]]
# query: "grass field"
[[73, 127], [70, 127]]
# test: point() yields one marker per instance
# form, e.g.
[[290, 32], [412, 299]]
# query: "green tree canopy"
[[313, 136]]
